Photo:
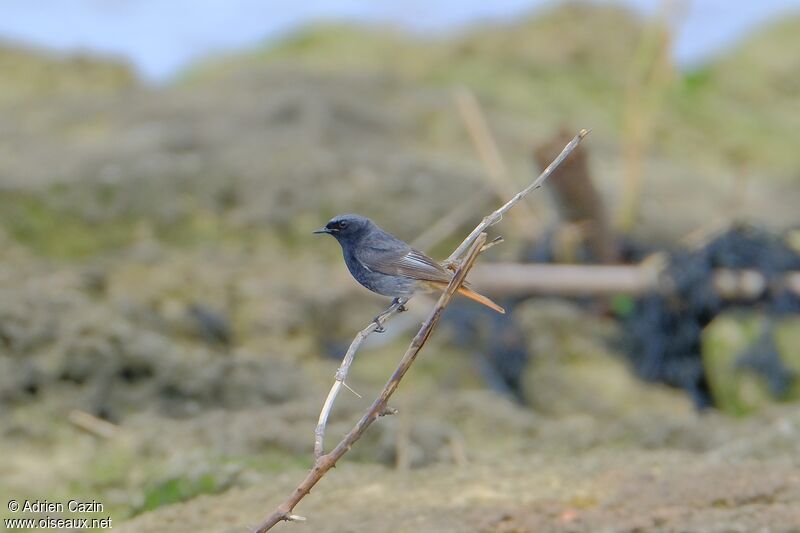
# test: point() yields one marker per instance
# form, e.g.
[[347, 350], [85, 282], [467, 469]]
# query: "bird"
[[388, 266]]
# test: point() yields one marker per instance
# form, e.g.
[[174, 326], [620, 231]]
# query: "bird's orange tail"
[[481, 299], [469, 293]]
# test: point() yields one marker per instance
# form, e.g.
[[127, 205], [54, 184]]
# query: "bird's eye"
[[342, 224]]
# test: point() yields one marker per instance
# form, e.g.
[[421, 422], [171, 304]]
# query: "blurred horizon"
[[146, 33]]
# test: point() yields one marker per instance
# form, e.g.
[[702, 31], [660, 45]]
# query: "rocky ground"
[[157, 271]]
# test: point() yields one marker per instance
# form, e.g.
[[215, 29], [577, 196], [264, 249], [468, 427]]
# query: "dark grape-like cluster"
[[663, 333]]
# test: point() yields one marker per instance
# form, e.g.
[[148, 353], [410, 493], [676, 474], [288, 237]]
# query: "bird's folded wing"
[[408, 263]]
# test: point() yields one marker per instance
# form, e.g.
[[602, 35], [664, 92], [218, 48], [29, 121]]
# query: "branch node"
[[388, 411]]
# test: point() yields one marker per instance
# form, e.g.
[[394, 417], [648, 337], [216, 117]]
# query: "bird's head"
[[346, 227]]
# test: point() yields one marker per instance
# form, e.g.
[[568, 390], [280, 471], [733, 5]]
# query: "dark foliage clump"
[[664, 329]]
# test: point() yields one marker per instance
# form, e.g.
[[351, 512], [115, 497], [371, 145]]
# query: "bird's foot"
[[377, 322], [401, 305], [398, 304]]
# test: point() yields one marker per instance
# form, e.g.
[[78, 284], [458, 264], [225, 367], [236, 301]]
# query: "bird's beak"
[[321, 230]]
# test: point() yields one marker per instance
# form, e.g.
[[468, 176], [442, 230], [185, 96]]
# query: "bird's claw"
[[401, 306], [378, 326]]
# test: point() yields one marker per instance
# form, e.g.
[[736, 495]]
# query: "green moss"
[[177, 490], [738, 390], [622, 305], [218, 474], [61, 232], [32, 74], [697, 81], [51, 232]]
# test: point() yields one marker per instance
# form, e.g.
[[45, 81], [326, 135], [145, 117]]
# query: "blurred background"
[[169, 327]]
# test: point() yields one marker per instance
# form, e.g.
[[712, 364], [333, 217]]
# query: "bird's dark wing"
[[407, 262]]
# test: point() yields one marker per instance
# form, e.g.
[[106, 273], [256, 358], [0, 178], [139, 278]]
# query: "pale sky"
[[160, 37]]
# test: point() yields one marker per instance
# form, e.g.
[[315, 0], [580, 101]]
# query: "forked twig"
[[341, 373], [469, 249], [325, 462], [497, 216]]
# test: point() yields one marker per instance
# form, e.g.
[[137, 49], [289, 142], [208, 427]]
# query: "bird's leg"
[[377, 321], [398, 304]]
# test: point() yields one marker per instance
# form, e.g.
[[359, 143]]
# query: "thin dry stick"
[[328, 461], [341, 373], [503, 186], [92, 424], [497, 216], [472, 246], [446, 225], [486, 146], [651, 75]]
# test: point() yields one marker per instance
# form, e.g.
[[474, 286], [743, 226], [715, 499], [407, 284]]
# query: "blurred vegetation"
[[29, 75], [738, 389], [122, 206], [571, 64]]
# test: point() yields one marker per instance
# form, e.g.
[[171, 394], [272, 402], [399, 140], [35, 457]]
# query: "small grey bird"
[[384, 264]]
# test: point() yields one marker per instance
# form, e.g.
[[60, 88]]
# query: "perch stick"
[[473, 244], [341, 373], [328, 461]]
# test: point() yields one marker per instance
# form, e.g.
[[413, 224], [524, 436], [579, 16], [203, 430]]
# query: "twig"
[[328, 461], [525, 279], [470, 248], [341, 373], [446, 225], [501, 183], [651, 75], [486, 146], [348, 387], [494, 242], [92, 424], [497, 216]]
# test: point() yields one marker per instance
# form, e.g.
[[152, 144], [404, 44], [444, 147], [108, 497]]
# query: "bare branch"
[[328, 461], [92, 424], [522, 279], [497, 216], [341, 373], [472, 246]]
